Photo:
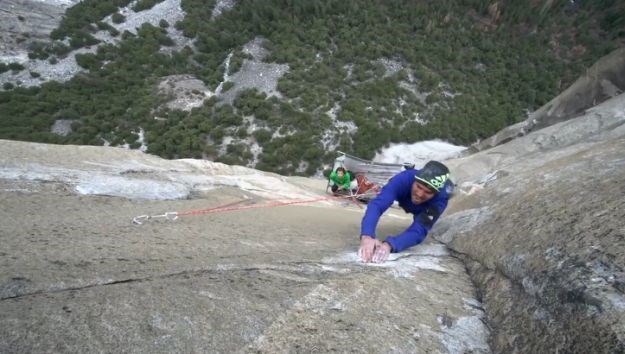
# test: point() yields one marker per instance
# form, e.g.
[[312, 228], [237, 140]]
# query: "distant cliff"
[[602, 81]]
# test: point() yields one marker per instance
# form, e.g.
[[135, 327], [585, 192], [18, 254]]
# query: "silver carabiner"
[[139, 220], [170, 215]]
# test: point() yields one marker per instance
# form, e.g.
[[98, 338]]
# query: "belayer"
[[423, 193], [341, 180]]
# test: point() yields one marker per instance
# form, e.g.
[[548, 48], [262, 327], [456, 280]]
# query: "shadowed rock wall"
[[544, 239]]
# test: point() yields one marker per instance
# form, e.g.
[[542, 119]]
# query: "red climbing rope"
[[173, 215]]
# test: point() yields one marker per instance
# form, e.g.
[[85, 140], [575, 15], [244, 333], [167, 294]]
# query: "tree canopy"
[[395, 71]]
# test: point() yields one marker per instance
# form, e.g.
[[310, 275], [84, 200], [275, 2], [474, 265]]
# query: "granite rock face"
[[76, 275], [543, 238], [528, 257], [23, 22], [602, 81]]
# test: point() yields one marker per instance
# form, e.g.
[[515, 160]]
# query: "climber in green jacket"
[[341, 180]]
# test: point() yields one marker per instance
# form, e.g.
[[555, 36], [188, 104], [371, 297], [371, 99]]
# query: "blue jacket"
[[424, 215]]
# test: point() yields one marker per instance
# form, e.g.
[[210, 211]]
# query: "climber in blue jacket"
[[423, 193]]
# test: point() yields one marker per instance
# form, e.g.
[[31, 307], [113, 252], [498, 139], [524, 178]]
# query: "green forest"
[[479, 66]]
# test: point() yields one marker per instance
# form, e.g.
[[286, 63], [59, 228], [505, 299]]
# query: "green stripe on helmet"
[[435, 183]]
